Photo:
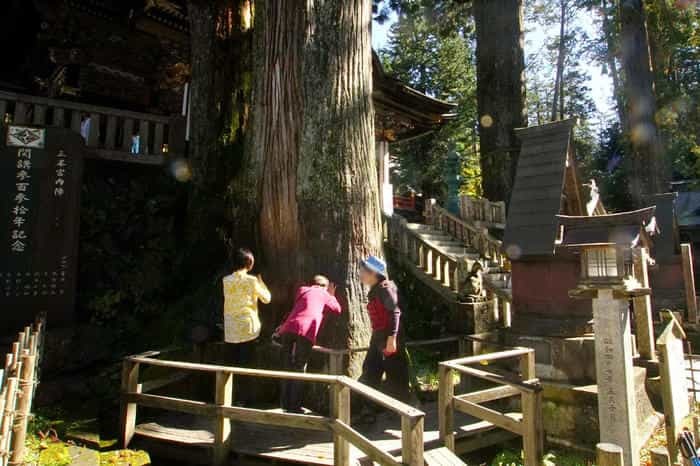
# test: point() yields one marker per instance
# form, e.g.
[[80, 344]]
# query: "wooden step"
[[442, 457]]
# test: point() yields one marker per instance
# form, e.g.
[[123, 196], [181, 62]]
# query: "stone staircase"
[[442, 252]]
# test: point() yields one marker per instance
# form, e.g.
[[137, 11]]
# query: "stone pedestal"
[[614, 370]]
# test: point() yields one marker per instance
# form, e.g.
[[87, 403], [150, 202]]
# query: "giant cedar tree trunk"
[[649, 171], [315, 143], [500, 82], [203, 123]]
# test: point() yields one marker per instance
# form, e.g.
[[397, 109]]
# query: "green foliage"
[[552, 458], [439, 63], [128, 242], [675, 41]]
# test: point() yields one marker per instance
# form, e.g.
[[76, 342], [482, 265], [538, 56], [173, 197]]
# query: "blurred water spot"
[[486, 121], [642, 133], [180, 170], [513, 251]]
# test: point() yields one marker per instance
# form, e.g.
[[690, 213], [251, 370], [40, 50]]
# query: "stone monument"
[[40, 182], [674, 387]]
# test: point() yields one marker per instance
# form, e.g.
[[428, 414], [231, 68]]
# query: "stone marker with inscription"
[[674, 386], [616, 392], [40, 183]]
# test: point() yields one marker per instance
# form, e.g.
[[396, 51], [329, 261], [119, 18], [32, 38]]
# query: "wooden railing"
[[336, 357], [524, 385], [482, 212], [110, 130], [18, 382], [223, 412], [473, 237]]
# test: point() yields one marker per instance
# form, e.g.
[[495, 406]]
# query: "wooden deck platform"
[[194, 438]]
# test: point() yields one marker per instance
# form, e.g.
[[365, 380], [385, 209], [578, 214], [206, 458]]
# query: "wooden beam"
[[340, 410], [125, 156], [689, 282], [532, 430], [507, 354], [445, 409], [274, 418], [412, 441], [494, 417], [380, 398], [364, 444], [22, 408], [111, 133], [181, 405], [129, 384], [191, 366], [223, 397], [660, 457], [490, 394], [502, 379]]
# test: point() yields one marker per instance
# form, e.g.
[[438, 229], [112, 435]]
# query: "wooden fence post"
[[445, 411], [335, 363], [340, 410], [689, 282], [23, 405], [533, 437], [660, 457], [608, 454], [130, 384], [222, 429], [7, 419], [412, 441]]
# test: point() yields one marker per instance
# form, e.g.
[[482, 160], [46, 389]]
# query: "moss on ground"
[[125, 458], [53, 454]]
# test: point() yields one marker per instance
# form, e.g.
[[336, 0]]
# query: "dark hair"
[[242, 259]]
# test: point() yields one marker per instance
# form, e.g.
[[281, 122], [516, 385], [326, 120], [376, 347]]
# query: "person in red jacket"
[[299, 331], [386, 354]]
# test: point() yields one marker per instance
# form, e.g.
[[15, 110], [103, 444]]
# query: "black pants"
[[296, 352], [242, 353], [395, 367]]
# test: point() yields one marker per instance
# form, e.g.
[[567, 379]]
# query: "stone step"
[[81, 456]]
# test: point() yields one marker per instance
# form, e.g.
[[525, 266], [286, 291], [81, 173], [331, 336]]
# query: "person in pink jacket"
[[299, 331]]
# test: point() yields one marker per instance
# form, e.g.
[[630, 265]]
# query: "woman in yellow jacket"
[[242, 292]]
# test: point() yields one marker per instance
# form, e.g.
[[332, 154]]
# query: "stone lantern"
[[613, 255], [453, 177]]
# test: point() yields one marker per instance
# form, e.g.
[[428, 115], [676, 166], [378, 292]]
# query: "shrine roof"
[[538, 193], [624, 228], [404, 112]]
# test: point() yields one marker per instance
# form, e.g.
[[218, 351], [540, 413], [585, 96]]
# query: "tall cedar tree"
[[649, 170], [500, 68], [314, 149]]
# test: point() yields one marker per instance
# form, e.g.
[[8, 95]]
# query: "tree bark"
[[315, 143], [500, 70], [558, 100], [649, 170], [611, 37], [203, 123]]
